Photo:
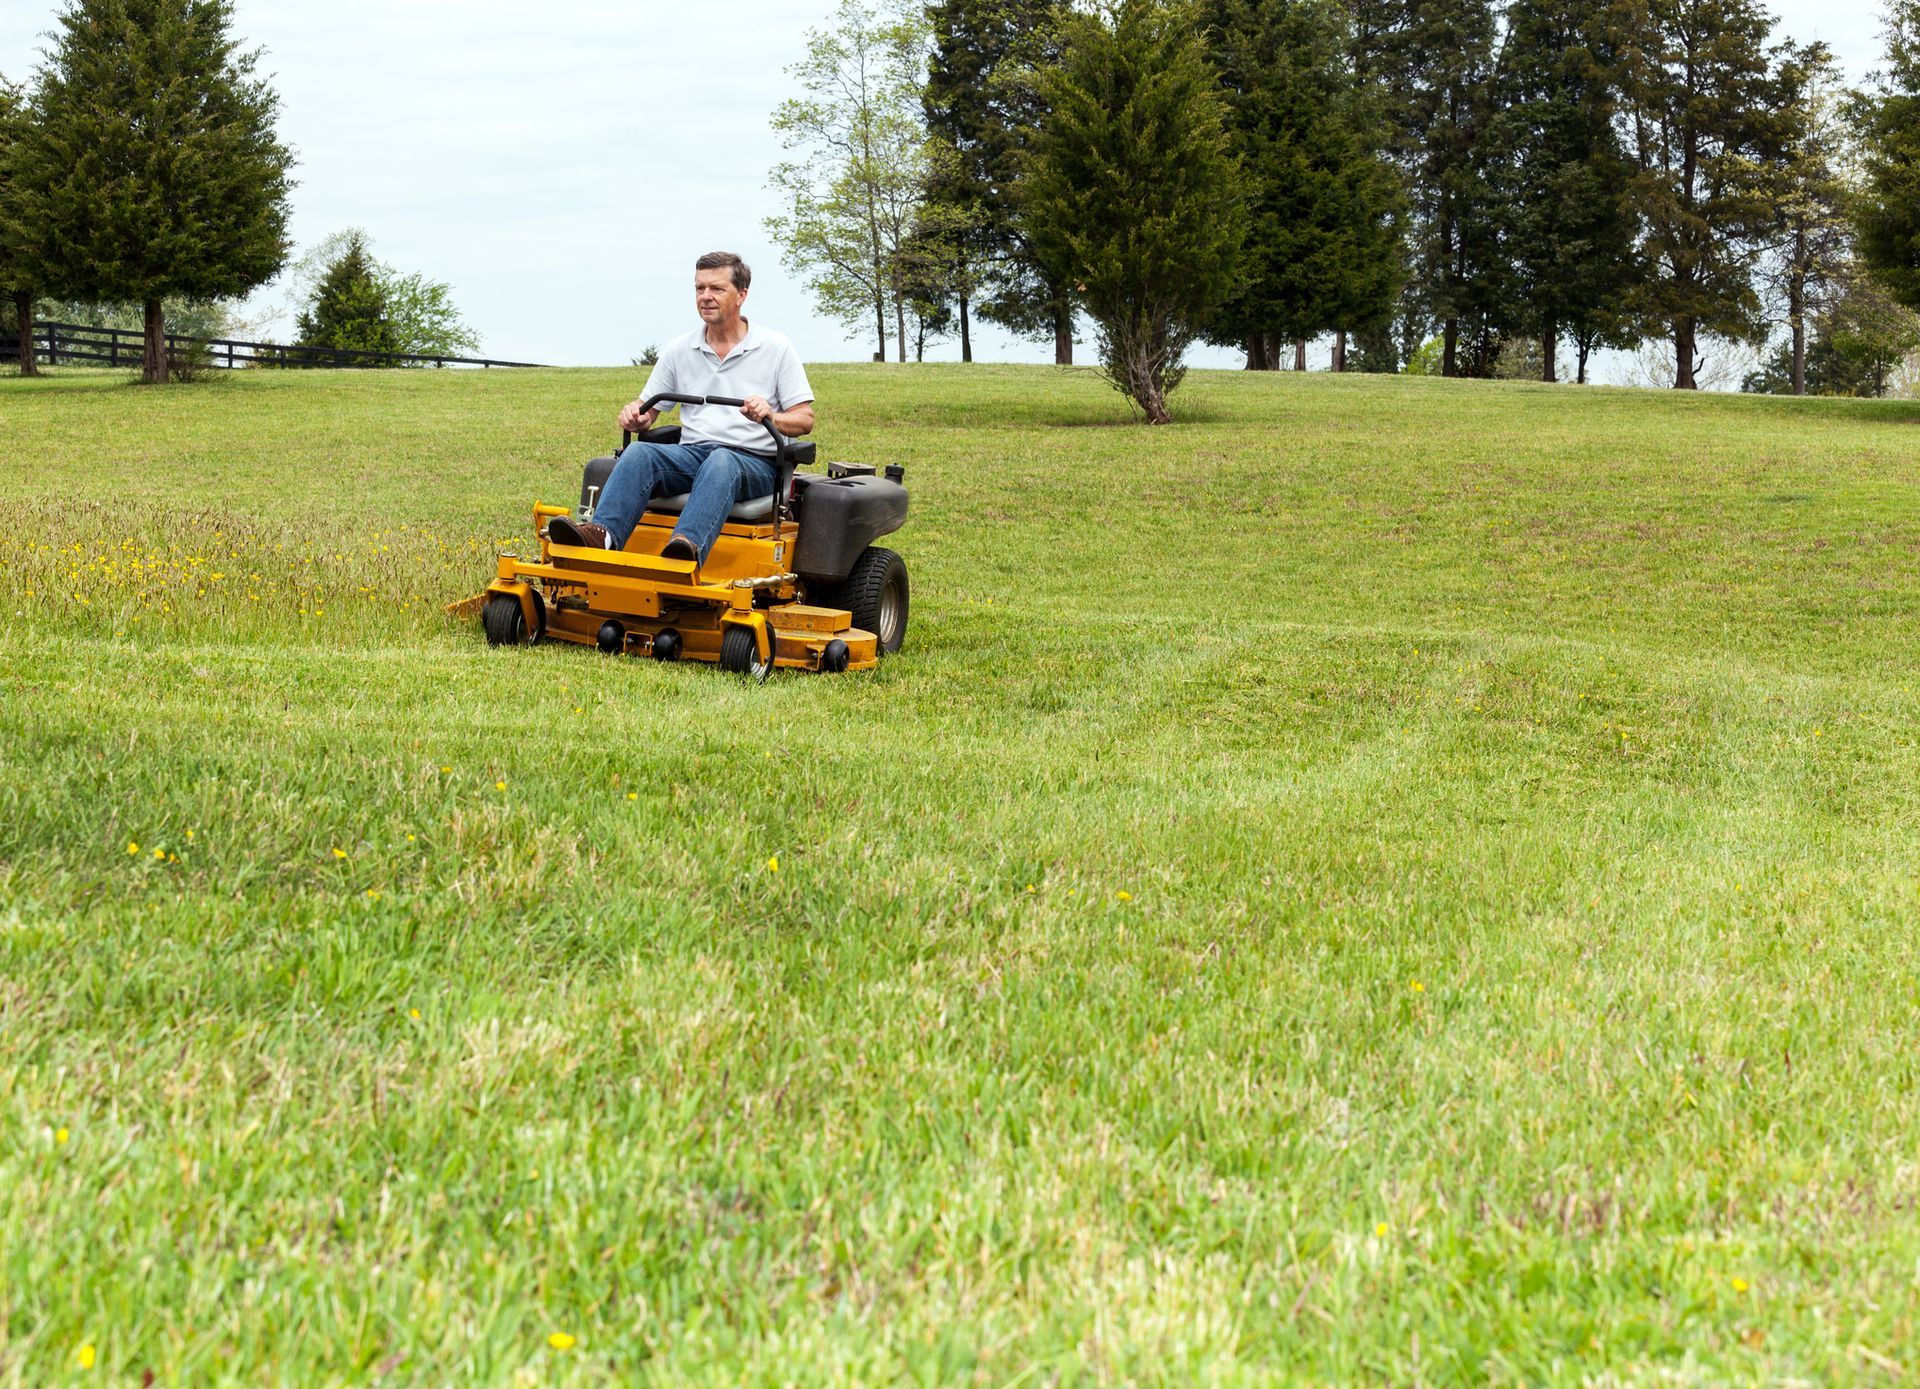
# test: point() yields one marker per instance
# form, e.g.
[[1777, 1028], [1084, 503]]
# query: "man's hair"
[[727, 260]]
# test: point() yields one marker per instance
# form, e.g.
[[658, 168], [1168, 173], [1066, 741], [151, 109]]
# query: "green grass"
[[1381, 880]]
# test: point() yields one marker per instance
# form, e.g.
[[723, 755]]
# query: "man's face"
[[714, 295]]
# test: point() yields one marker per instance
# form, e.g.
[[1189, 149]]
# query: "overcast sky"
[[561, 164]]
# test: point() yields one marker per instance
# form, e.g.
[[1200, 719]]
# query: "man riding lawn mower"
[[744, 560]]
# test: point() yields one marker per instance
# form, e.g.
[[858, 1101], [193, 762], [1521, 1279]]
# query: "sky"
[[561, 164]]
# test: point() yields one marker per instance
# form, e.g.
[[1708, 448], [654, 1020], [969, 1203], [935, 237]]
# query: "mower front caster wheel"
[[506, 625], [738, 650]]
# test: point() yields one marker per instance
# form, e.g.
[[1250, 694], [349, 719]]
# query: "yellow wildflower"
[[1124, 896], [559, 1340], [773, 864], [339, 853], [85, 1355], [499, 785], [1380, 1230], [132, 848], [61, 1136], [1740, 1285]]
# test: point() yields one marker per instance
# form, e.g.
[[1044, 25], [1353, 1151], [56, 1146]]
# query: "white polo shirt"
[[763, 364]]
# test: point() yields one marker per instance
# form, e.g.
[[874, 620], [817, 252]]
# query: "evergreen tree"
[[1572, 232], [1890, 210], [18, 276], [1131, 191], [1323, 244], [350, 307], [1704, 111], [153, 154], [1462, 277], [983, 107]]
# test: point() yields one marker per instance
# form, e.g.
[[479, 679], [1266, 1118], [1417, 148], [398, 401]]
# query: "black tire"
[[876, 594], [506, 625], [738, 649]]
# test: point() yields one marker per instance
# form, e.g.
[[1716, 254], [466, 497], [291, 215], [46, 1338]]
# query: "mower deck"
[[622, 601]]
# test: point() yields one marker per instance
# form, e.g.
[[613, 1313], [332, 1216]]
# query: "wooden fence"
[[62, 344]]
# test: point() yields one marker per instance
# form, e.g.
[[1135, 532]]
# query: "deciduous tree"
[[153, 153], [982, 105], [857, 193]]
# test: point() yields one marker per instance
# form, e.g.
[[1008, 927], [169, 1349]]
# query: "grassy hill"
[[1383, 879]]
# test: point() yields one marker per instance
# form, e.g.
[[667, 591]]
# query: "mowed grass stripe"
[[1510, 790]]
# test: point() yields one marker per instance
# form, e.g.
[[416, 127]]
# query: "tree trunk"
[[1063, 334], [1299, 354], [1683, 345], [900, 326], [154, 369], [1256, 352], [966, 333], [23, 310], [1583, 348], [1151, 398], [1271, 342], [1797, 309], [1340, 350], [1549, 349], [880, 326], [1450, 352]]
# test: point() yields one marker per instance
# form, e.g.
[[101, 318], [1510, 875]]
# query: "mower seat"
[[752, 509]]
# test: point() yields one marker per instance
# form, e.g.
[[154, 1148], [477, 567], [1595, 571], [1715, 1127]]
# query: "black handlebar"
[[779, 439]]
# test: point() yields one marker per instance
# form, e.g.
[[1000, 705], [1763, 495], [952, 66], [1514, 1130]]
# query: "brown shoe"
[[564, 530], [679, 547]]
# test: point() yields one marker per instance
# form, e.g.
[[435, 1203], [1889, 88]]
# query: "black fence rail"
[[64, 344]]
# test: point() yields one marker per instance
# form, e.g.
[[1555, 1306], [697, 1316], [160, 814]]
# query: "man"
[[724, 455]]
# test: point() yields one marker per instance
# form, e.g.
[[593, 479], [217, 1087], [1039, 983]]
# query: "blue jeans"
[[716, 477]]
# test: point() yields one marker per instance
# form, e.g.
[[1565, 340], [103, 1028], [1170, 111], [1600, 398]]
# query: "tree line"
[[141, 175], [1474, 187]]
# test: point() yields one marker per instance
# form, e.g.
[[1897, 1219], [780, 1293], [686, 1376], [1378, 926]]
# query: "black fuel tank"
[[840, 517]]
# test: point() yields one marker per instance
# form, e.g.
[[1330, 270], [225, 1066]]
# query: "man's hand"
[[634, 419], [757, 409], [792, 423]]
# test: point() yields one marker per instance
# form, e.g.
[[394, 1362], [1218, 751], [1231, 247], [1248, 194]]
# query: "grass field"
[[1382, 880]]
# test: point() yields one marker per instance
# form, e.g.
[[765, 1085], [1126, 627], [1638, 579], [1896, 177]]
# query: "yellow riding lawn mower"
[[794, 579]]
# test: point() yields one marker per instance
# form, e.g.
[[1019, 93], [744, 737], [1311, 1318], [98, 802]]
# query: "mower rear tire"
[[506, 625], [738, 649], [875, 592]]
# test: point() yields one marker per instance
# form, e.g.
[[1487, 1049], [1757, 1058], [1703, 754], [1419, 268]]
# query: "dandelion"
[[85, 1356], [160, 853], [414, 1013], [339, 853], [773, 864], [60, 1137], [1124, 896], [559, 1340], [1740, 1285], [1380, 1230], [633, 795], [373, 893], [446, 769], [1418, 987], [132, 848], [1030, 887], [499, 785], [409, 839]]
